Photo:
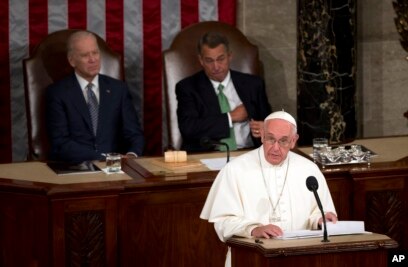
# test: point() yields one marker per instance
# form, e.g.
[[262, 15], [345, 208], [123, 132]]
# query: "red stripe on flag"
[[152, 77], [227, 11], [114, 26], [77, 14], [189, 12], [5, 105], [37, 22]]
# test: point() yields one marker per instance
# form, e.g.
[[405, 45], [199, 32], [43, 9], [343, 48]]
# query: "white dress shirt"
[[84, 83]]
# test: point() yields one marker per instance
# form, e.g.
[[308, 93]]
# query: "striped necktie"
[[225, 107], [93, 107]]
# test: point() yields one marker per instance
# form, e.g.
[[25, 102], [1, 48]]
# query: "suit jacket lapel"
[[239, 85], [79, 102], [242, 90], [105, 95], [206, 90]]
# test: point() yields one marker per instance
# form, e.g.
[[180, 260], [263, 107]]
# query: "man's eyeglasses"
[[284, 142]]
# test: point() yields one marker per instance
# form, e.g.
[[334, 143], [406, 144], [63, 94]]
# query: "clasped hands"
[[239, 114], [271, 230]]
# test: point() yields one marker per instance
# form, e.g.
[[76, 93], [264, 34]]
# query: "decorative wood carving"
[[384, 213], [85, 239]]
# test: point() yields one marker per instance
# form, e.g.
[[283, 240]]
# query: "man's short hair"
[[212, 40], [77, 35]]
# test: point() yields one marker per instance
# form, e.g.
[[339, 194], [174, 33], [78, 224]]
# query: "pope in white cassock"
[[263, 193]]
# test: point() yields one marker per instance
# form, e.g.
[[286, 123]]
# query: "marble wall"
[[382, 70]]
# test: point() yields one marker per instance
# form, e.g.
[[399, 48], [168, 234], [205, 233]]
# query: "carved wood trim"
[[384, 213], [85, 238]]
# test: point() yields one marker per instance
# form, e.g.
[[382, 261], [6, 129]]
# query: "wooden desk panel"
[[145, 213], [24, 230], [163, 228], [84, 231]]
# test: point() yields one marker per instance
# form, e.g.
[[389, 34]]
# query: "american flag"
[[138, 30]]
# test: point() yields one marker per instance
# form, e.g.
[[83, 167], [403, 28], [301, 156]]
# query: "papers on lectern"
[[339, 228]]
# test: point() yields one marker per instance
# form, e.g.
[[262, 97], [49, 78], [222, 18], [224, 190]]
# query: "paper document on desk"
[[338, 228], [345, 228], [300, 234], [215, 164]]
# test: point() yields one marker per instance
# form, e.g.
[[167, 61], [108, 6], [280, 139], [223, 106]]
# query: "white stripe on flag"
[[171, 22], [133, 51], [170, 26], [57, 15], [208, 10], [18, 30], [95, 17]]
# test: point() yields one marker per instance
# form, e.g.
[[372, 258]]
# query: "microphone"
[[210, 143], [313, 185]]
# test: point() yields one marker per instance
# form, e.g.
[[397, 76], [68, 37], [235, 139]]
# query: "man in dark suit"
[[90, 114], [199, 109]]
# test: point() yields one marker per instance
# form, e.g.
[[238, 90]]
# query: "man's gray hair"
[[212, 40], [74, 37]]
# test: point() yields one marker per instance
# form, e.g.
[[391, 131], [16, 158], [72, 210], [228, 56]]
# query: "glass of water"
[[319, 146], [113, 162], [357, 153]]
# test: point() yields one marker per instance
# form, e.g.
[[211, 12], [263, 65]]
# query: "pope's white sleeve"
[[224, 208]]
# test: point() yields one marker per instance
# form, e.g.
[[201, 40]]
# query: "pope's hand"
[[330, 217], [267, 231]]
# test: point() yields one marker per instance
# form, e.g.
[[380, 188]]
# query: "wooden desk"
[[376, 194], [105, 220], [151, 217], [347, 250]]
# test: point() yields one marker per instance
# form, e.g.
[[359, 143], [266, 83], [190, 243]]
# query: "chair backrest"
[[181, 61], [47, 64]]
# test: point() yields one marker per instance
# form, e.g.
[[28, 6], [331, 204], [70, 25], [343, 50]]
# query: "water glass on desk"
[[319, 146], [113, 162]]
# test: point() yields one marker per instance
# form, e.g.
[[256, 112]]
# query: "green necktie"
[[225, 107]]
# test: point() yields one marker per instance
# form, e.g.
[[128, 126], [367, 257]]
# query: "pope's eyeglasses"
[[284, 142]]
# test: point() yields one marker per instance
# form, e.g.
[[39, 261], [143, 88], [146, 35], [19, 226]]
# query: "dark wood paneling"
[[24, 238], [163, 228], [381, 200], [245, 257], [84, 231], [340, 185], [346, 250], [154, 220]]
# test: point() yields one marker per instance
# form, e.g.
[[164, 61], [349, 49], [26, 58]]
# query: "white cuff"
[[229, 120], [132, 153]]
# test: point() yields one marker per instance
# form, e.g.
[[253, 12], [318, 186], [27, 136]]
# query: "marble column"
[[326, 69], [401, 23]]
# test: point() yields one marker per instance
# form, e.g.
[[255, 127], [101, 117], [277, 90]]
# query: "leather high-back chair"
[[181, 61], [47, 64]]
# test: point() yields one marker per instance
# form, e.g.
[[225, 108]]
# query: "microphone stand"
[[325, 239], [228, 150], [208, 143]]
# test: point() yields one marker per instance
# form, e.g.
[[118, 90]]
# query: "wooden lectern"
[[345, 250], [153, 209]]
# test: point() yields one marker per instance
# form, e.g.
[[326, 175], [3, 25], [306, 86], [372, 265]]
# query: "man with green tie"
[[219, 103]]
